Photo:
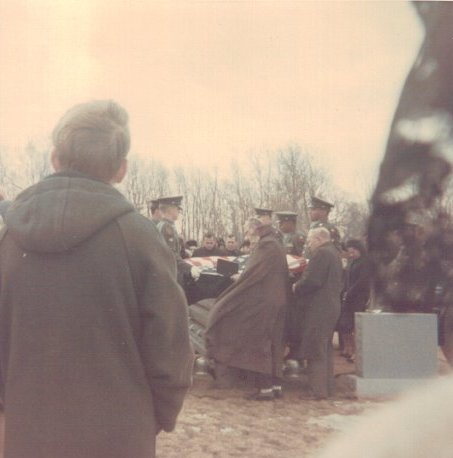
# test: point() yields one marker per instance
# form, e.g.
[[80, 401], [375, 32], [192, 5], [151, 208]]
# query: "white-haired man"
[[95, 355], [318, 293]]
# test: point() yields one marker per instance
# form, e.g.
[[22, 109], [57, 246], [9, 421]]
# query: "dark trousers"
[[321, 372]]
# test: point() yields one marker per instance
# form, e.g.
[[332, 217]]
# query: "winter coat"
[[318, 293], [356, 292], [246, 324], [94, 349]]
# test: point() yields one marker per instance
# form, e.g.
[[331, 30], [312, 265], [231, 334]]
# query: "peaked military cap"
[[263, 212], [316, 202], [286, 216], [175, 201]]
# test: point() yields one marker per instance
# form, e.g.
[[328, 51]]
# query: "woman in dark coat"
[[246, 324], [356, 293]]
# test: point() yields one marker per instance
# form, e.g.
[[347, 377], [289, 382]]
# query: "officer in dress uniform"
[[319, 216], [170, 208], [292, 240], [293, 243]]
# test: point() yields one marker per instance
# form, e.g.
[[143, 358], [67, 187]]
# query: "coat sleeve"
[[315, 275], [164, 344]]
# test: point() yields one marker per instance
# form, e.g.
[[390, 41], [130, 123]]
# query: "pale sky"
[[207, 82]]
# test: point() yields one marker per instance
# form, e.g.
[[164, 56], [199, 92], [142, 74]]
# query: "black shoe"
[[261, 395], [278, 392]]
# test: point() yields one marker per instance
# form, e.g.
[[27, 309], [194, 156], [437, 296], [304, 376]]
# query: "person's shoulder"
[[197, 252], [138, 227], [270, 243], [326, 251]]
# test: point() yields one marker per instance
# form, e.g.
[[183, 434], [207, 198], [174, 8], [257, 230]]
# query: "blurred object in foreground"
[[410, 233]]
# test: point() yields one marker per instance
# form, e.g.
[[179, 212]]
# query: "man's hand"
[[234, 277], [294, 288]]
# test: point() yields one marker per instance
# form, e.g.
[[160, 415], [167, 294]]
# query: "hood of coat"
[[62, 211]]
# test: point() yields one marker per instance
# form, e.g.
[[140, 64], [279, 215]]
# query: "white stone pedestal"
[[394, 351]]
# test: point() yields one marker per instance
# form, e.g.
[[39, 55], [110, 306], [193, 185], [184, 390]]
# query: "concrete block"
[[396, 345], [377, 387]]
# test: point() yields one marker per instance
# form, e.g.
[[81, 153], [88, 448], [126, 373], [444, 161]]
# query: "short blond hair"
[[93, 138]]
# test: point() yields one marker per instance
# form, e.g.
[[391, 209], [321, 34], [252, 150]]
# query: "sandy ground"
[[221, 423]]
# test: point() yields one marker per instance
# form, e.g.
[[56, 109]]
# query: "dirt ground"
[[221, 423]]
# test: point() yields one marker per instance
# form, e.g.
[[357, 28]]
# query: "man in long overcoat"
[[95, 357], [318, 292], [246, 324]]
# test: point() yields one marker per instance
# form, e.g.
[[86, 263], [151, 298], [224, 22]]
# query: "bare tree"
[[145, 180], [36, 164]]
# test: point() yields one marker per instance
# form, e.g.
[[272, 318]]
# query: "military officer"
[[293, 243], [170, 208], [156, 215], [319, 216], [292, 240], [264, 215]]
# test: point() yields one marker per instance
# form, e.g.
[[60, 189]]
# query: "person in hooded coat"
[[246, 324], [95, 357]]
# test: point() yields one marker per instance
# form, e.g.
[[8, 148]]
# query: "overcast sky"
[[208, 82]]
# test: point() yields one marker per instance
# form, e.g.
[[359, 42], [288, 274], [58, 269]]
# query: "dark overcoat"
[[95, 355], [246, 325], [356, 292], [318, 293]]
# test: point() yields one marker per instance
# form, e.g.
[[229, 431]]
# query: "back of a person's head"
[[93, 138], [356, 244], [321, 233]]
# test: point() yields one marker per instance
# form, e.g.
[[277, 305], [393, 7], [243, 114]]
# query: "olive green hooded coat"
[[95, 356]]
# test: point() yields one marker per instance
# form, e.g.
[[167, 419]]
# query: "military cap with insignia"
[[286, 216], [263, 212], [175, 201], [316, 202]]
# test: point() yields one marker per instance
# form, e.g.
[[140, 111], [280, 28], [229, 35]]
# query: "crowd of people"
[[267, 316], [91, 296], [266, 311]]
